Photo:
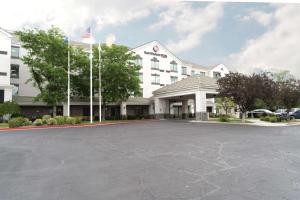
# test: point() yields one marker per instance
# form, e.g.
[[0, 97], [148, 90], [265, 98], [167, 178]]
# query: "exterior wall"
[[222, 69], [5, 56], [164, 67]]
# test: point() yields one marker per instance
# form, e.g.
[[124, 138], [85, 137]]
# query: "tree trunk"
[[243, 117], [104, 109]]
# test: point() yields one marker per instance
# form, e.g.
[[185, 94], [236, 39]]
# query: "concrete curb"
[[71, 126], [247, 124]]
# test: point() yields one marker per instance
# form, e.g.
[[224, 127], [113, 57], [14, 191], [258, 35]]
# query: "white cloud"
[[190, 23], [277, 49], [263, 18], [73, 16]]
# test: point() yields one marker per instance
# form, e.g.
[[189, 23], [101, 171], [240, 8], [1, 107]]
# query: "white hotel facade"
[[170, 87]]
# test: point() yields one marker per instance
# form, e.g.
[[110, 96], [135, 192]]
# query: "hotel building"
[[170, 87]]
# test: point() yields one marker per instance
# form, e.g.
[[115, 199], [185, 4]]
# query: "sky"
[[247, 37]]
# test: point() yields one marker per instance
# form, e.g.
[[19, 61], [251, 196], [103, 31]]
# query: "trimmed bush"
[[224, 118], [45, 118], [70, 120], [27, 122], [38, 122], [51, 121], [17, 122], [60, 120], [78, 120]]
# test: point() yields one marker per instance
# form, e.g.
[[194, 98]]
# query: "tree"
[[120, 74], [238, 87], [225, 103], [46, 57], [289, 93]]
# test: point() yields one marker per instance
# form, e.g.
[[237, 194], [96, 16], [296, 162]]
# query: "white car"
[[259, 112]]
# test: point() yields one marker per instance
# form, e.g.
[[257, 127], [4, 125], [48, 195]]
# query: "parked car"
[[295, 115], [281, 112], [293, 110], [260, 112]]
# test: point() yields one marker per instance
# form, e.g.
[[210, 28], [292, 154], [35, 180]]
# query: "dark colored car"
[[295, 115]]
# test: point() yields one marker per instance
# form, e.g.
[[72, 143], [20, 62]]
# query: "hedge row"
[[45, 120]]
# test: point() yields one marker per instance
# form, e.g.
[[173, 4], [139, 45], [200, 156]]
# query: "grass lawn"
[[3, 125], [231, 120]]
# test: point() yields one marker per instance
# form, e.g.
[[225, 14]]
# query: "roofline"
[[5, 32]]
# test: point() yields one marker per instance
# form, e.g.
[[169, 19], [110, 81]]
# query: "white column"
[[161, 106], [185, 109], [200, 103], [65, 109], [123, 110]]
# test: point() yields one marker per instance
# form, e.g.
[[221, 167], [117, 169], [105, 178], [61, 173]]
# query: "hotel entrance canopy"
[[198, 88]]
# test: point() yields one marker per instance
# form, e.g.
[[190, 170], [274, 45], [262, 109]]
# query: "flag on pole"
[[87, 33]]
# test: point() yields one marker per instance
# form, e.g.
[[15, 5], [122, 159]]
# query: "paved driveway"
[[152, 160]]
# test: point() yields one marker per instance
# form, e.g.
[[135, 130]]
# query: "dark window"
[[15, 90], [3, 74], [216, 75], [15, 52], [173, 66], [14, 71], [183, 71], [154, 63], [141, 77], [1, 96], [3, 52]]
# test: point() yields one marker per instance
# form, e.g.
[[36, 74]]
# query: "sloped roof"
[[193, 82], [194, 65]]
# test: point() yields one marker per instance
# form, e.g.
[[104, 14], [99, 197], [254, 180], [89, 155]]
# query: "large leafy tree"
[[46, 57], [119, 73]]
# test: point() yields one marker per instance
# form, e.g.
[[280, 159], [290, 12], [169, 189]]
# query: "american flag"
[[87, 33]]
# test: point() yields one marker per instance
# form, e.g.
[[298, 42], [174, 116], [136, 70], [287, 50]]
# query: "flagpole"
[[68, 112], [100, 110], [91, 80]]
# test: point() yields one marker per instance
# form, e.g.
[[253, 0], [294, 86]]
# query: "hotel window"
[[183, 70], [141, 77], [15, 52], [139, 61], [174, 79], [3, 52], [15, 90], [154, 63], [173, 66], [193, 72], [202, 73], [1, 96], [14, 71], [216, 75], [155, 79]]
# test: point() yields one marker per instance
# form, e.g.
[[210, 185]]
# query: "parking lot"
[[162, 160]]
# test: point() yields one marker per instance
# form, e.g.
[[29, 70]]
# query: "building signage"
[[156, 49]]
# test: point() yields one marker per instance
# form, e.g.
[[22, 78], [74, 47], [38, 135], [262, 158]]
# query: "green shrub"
[[70, 120], [273, 119], [38, 122], [45, 118], [78, 120], [17, 122], [224, 118], [27, 122], [60, 120], [51, 121]]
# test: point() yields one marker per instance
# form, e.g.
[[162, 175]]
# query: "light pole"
[[100, 110]]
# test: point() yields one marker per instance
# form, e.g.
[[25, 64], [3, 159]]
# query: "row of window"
[[155, 79], [15, 52], [14, 71]]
